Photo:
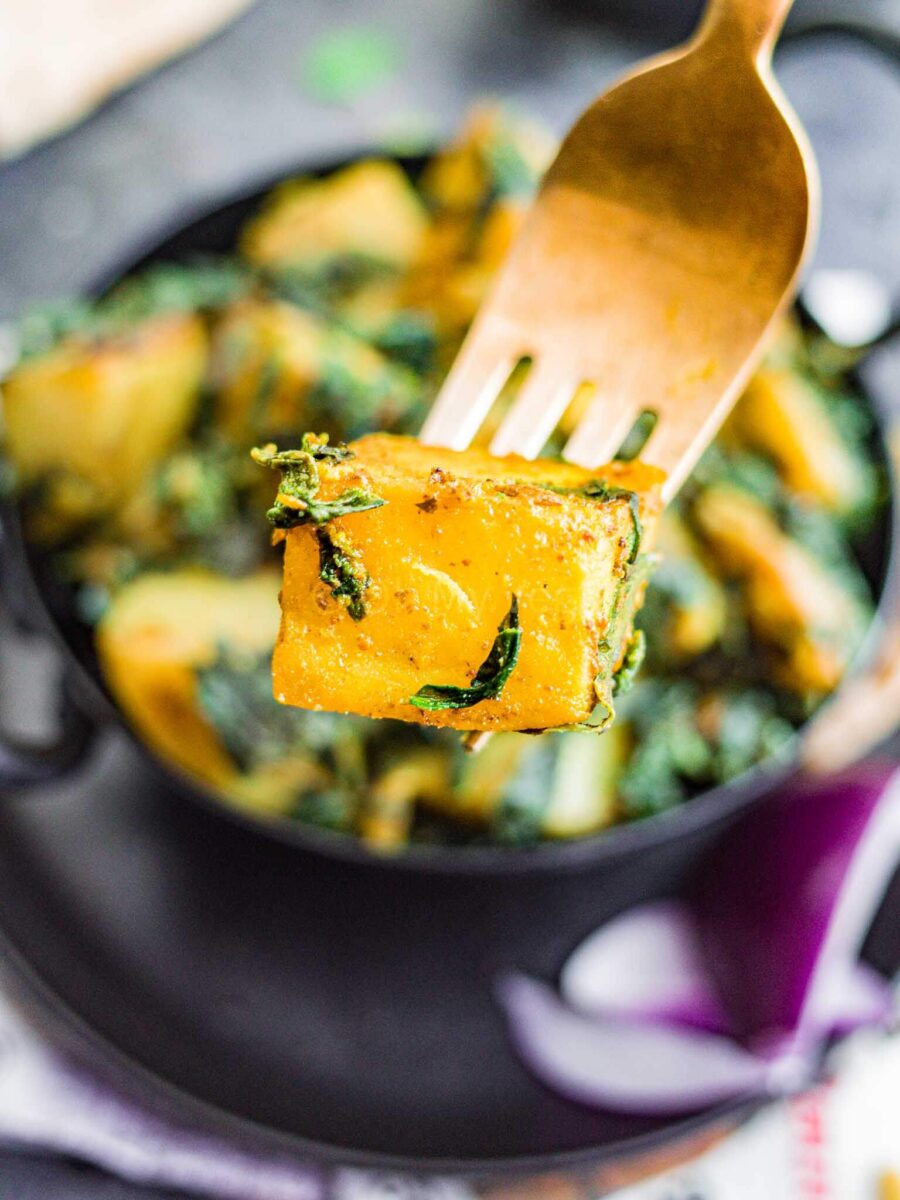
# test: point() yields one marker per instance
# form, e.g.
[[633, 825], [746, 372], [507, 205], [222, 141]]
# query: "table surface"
[[236, 108]]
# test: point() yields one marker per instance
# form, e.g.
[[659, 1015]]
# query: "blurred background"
[[280, 82]]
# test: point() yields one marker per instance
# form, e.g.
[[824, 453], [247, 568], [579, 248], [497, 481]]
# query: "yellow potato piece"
[[782, 415], [156, 634], [792, 599], [458, 536], [369, 209], [269, 355], [92, 419]]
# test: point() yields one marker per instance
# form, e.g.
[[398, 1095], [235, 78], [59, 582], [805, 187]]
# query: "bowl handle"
[[24, 763]]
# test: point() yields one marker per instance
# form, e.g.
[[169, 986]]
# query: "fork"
[[665, 240]]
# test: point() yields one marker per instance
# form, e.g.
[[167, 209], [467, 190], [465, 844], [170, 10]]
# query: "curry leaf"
[[490, 678], [342, 569], [296, 502]]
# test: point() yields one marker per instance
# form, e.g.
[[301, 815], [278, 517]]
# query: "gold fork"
[[665, 240]]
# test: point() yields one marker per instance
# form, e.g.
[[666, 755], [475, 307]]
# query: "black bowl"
[[41, 600]]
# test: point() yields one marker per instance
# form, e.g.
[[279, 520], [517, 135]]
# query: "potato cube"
[[436, 567], [276, 366], [90, 420], [159, 630], [794, 602], [370, 210], [783, 415]]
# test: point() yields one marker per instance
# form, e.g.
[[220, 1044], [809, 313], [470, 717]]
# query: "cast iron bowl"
[[43, 603], [292, 988]]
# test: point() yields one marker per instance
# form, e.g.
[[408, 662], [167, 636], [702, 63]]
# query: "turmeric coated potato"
[[782, 415], [90, 419], [278, 367], [792, 601], [370, 210], [159, 631], [456, 536]]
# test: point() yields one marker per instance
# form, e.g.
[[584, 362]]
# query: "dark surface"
[[28, 1177], [337, 1004], [202, 124]]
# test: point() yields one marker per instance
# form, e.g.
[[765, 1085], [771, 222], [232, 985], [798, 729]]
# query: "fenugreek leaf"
[[296, 502], [343, 572], [490, 678]]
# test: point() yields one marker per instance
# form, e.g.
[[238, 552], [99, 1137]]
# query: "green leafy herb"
[[204, 284], [296, 502], [347, 401], [631, 663], [235, 695], [688, 737], [342, 569], [194, 488], [159, 289], [410, 338], [490, 678], [324, 285], [43, 325], [340, 566], [522, 806]]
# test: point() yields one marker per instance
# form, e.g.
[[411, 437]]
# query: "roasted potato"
[[369, 210], [159, 631], [89, 420], [783, 414], [793, 602]]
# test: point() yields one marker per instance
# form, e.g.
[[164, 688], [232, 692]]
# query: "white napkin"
[[836, 1143], [60, 58]]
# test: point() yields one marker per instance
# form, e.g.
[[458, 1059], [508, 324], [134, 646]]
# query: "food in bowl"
[[339, 312]]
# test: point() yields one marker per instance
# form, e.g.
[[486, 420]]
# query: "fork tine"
[[535, 412], [676, 445], [473, 384], [602, 431]]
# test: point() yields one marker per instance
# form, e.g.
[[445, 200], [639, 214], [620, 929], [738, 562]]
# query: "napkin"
[[61, 58], [832, 1144]]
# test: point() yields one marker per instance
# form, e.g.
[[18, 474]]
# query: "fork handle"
[[747, 24]]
